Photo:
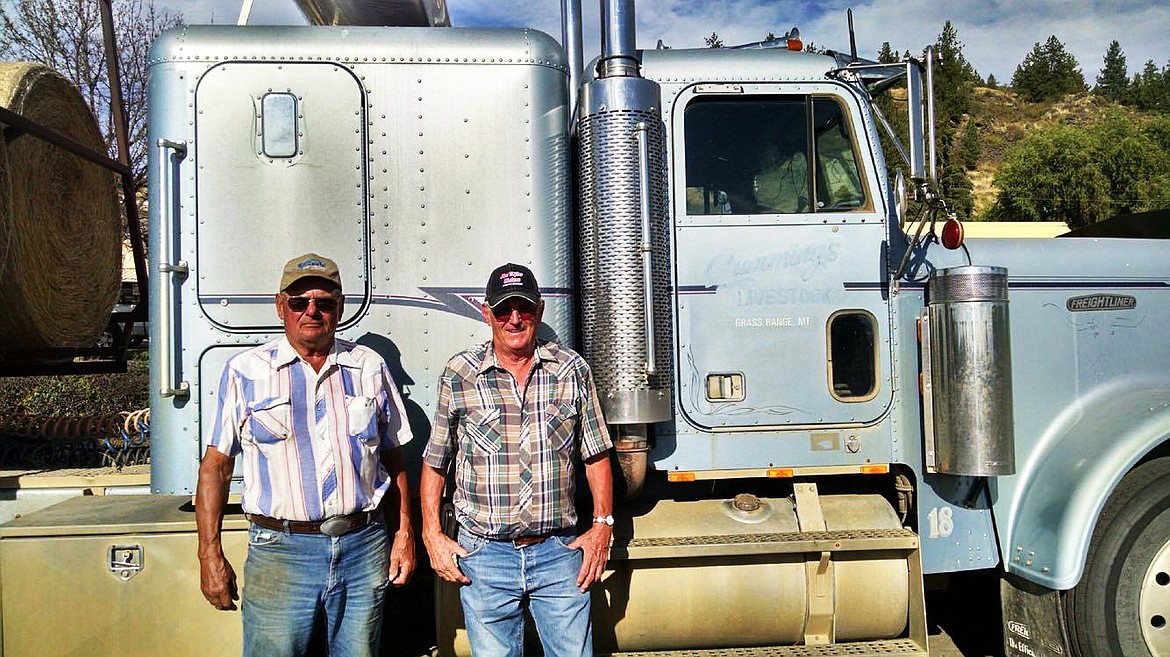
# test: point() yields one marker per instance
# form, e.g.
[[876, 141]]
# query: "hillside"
[[1003, 119]]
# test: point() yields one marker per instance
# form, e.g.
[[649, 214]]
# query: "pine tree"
[[1113, 82], [714, 41], [954, 79], [969, 149], [887, 55], [1048, 73], [991, 81], [1151, 88]]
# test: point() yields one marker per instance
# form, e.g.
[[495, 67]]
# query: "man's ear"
[[487, 313], [279, 308]]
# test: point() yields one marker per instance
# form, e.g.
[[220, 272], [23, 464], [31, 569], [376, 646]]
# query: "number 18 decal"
[[942, 522]]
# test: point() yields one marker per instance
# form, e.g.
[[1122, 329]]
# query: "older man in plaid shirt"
[[515, 417]]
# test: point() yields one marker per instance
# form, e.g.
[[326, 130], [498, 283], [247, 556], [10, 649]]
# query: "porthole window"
[[853, 355]]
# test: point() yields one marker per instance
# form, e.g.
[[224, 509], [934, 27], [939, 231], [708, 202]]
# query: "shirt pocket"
[[361, 415], [270, 420], [483, 428], [561, 425]]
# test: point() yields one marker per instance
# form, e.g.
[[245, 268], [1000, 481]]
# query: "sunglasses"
[[503, 311], [301, 304]]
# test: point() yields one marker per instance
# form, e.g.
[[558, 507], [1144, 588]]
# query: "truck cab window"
[[752, 156], [839, 179], [852, 355]]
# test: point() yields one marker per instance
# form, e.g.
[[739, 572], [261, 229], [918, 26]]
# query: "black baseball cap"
[[511, 280]]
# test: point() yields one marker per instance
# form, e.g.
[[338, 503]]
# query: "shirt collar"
[[285, 355], [543, 355]]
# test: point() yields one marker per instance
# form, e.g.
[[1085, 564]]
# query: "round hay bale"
[[60, 226]]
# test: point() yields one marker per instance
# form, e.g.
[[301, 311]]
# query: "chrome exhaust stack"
[[623, 238]]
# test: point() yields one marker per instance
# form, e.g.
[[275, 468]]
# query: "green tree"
[[713, 41], [1113, 82], [887, 54], [991, 81], [1151, 88], [1053, 175], [954, 80], [954, 77], [969, 149], [1048, 73], [1080, 175]]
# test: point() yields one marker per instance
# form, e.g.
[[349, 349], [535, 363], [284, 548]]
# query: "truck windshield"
[[752, 156]]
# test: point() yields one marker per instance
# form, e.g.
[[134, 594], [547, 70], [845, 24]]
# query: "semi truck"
[[824, 400]]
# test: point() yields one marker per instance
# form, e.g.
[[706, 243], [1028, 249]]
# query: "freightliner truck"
[[823, 402]]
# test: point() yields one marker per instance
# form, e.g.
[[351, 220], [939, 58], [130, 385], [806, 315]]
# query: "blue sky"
[[996, 34]]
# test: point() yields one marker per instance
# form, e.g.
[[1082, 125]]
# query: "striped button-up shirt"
[[515, 445], [310, 440]]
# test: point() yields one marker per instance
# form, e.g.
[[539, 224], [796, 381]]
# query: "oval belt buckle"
[[336, 526]]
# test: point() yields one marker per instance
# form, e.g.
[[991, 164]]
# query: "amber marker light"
[[877, 468], [780, 473], [680, 476]]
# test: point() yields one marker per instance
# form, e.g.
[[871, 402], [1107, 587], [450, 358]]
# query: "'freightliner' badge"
[[1091, 302]]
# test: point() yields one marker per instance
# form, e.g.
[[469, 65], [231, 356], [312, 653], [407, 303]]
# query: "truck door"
[[782, 316], [281, 171]]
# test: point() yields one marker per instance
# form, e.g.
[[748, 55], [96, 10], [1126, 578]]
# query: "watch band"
[[606, 520]]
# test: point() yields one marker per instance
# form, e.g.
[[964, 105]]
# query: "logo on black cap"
[[511, 280]]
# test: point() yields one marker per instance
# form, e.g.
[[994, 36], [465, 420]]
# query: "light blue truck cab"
[[818, 408]]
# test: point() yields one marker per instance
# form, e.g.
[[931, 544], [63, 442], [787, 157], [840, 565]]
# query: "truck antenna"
[[852, 37]]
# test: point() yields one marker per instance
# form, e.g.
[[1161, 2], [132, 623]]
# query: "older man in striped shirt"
[[318, 422], [516, 417]]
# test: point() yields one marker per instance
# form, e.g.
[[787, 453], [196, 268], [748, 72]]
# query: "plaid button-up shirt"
[[515, 444]]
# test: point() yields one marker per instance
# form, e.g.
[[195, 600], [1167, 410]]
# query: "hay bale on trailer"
[[60, 226]]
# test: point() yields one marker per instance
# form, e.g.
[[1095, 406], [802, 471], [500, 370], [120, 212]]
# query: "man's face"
[[514, 322], [309, 309]]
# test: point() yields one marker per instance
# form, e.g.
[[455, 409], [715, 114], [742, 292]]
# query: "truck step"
[[768, 543], [906, 647]]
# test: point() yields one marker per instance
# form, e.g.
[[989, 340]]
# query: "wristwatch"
[[608, 520]]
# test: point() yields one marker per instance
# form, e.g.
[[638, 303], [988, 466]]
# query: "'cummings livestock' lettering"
[[809, 259], [1092, 302]]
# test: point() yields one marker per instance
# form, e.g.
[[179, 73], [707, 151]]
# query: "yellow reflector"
[[780, 473], [680, 476], [881, 468]]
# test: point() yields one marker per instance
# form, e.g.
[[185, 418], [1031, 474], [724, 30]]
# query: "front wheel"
[[1121, 606]]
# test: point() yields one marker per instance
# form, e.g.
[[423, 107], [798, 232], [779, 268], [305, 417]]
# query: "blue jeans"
[[503, 576], [291, 579]]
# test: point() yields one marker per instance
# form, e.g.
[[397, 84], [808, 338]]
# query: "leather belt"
[[335, 526], [525, 541]]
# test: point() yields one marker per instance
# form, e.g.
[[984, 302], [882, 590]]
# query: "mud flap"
[[1033, 620]]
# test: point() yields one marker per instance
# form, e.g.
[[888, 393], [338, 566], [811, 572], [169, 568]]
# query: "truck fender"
[[1063, 484]]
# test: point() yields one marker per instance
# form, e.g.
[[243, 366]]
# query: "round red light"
[[952, 234]]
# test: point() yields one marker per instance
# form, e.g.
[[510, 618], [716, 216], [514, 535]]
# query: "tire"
[[1121, 606], [109, 337]]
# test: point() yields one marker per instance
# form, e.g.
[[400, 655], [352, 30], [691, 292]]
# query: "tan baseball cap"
[[310, 265]]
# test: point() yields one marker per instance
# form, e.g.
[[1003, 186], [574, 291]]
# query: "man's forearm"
[[600, 478], [430, 492], [211, 493], [398, 519]]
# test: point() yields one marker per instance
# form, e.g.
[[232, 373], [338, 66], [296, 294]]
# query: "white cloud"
[[997, 34]]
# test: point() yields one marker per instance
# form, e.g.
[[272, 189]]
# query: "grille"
[[611, 284], [969, 284]]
